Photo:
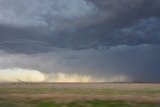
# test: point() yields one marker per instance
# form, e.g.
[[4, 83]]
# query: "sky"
[[80, 40]]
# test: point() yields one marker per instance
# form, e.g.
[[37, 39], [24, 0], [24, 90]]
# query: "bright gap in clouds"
[[28, 75], [17, 74]]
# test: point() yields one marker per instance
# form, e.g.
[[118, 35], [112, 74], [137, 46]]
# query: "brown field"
[[139, 93]]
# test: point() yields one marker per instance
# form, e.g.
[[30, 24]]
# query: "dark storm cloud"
[[119, 63], [102, 38], [79, 24], [123, 14]]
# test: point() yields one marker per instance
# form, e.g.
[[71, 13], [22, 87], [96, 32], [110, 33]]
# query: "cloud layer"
[[121, 63], [51, 15], [81, 39]]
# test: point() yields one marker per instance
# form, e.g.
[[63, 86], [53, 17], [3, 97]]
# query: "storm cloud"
[[85, 40]]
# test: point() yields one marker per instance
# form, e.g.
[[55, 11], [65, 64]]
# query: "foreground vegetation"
[[21, 95], [89, 103], [88, 91]]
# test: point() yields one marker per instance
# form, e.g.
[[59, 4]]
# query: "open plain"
[[25, 94]]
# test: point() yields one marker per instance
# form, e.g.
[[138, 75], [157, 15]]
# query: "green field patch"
[[89, 103]]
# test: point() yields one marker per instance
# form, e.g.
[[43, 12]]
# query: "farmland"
[[79, 94]]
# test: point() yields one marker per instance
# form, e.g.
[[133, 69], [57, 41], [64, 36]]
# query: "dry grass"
[[71, 92]]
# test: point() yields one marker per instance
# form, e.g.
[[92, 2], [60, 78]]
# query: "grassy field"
[[89, 103], [79, 95]]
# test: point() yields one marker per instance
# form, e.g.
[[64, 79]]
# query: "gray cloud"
[[51, 15], [79, 24], [137, 63], [99, 38]]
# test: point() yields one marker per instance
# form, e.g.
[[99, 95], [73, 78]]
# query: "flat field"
[[79, 94]]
